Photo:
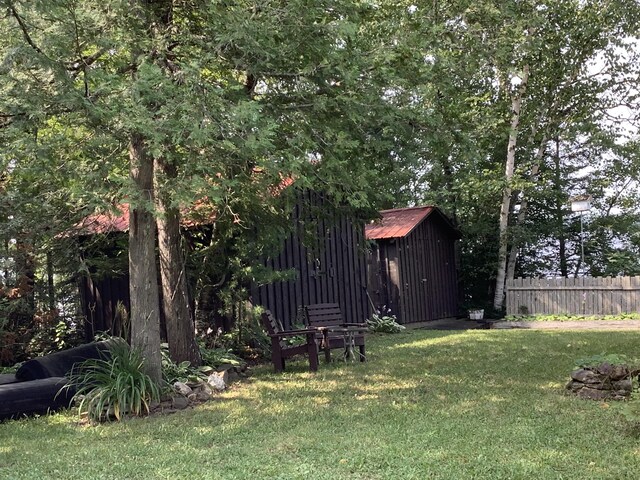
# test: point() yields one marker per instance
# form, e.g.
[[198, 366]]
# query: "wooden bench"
[[280, 350], [334, 332]]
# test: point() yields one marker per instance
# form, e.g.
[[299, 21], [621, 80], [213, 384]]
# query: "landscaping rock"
[[593, 394], [216, 381], [201, 393], [179, 402], [202, 396], [620, 395], [183, 389], [225, 367], [224, 375], [625, 385], [620, 372], [163, 407], [232, 372], [240, 370], [205, 388], [601, 382], [605, 369], [574, 386], [586, 376]]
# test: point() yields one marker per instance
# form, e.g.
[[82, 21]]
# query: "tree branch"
[[23, 27]]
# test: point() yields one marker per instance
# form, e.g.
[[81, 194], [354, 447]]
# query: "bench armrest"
[[351, 329], [292, 333]]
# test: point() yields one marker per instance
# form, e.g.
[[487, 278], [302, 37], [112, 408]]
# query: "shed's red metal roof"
[[397, 223], [116, 221]]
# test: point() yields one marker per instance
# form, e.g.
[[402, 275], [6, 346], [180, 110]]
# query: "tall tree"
[[483, 138], [227, 100]]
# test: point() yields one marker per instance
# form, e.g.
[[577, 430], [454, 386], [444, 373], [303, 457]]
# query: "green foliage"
[[179, 372], [212, 358], [11, 369], [233, 98], [374, 103], [53, 334], [27, 333], [631, 410], [215, 357], [383, 321], [466, 393], [113, 386], [610, 358], [245, 340]]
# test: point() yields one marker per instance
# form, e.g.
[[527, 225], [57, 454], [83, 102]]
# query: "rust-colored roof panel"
[[397, 223], [116, 221], [201, 213]]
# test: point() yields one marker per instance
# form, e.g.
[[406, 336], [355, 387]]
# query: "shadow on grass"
[[426, 404]]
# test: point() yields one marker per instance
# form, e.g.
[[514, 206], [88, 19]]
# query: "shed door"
[[393, 284], [423, 277], [416, 282]]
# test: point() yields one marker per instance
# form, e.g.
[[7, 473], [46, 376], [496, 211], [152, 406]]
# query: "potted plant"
[[476, 313]]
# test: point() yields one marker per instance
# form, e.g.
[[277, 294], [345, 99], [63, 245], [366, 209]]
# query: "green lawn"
[[427, 404]]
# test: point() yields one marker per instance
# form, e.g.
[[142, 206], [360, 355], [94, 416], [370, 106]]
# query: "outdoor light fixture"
[[581, 203]]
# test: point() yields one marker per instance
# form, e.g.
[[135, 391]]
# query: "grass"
[[427, 404]]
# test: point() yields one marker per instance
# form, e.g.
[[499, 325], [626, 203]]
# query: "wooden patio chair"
[[334, 331], [280, 350]]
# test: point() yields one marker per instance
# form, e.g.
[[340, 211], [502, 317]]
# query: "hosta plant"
[[384, 321]]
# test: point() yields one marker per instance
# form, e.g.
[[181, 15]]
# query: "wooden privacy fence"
[[573, 296]]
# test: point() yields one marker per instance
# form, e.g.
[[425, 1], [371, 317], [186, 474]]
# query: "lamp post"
[[581, 203]]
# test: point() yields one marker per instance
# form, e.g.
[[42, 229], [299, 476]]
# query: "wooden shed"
[[412, 264], [329, 266]]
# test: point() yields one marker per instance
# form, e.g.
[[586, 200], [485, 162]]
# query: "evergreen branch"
[[85, 61], [23, 27], [6, 119]]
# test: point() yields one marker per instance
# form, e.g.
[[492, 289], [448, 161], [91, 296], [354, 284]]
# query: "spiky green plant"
[[114, 385]]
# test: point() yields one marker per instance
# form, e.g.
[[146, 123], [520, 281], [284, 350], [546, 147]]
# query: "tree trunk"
[[51, 291], [505, 207], [143, 272], [522, 213], [562, 239], [25, 269], [175, 296]]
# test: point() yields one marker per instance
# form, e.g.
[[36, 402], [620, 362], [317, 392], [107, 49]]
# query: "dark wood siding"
[[415, 276], [331, 271], [99, 299], [330, 267]]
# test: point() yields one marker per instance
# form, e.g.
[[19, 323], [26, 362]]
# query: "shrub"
[[384, 321], [214, 357], [53, 333], [114, 385], [631, 409], [246, 339], [185, 372], [178, 372]]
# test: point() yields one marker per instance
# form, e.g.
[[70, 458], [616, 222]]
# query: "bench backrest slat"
[[270, 323], [324, 315]]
